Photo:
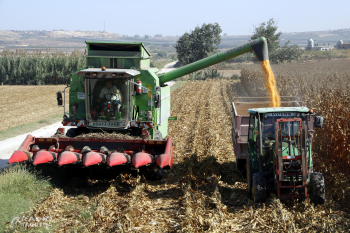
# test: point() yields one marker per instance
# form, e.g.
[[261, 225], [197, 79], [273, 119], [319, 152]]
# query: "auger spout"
[[259, 46]]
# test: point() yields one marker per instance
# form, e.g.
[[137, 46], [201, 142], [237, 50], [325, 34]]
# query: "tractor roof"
[[280, 109]]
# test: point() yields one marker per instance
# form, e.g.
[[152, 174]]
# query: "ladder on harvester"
[[291, 159]]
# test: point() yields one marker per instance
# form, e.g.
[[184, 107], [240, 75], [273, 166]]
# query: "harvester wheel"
[[259, 188], [72, 132], [249, 175], [318, 194]]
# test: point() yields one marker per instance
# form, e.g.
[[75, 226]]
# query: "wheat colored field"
[[27, 104]]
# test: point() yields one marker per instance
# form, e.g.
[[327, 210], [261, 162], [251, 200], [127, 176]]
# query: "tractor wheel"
[[308, 180], [318, 195], [259, 188], [249, 175]]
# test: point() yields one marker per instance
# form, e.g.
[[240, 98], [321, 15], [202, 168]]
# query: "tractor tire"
[[250, 173], [318, 194], [259, 188], [311, 170]]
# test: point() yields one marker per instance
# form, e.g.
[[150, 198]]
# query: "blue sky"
[[172, 17]]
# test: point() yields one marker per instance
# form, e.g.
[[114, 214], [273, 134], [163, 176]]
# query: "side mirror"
[[59, 98], [318, 122], [157, 101]]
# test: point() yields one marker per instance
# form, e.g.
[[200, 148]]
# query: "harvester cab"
[[280, 154], [108, 98]]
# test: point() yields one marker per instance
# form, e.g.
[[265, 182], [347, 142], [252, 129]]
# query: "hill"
[[63, 40]]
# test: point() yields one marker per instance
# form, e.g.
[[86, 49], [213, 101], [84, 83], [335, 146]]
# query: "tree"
[[158, 35], [198, 44], [162, 54], [276, 52]]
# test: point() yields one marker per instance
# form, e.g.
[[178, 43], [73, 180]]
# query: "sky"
[[170, 18]]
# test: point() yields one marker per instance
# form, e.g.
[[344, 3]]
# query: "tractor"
[[274, 145]]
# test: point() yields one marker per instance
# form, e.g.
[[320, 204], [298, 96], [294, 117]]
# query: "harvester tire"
[[259, 188], [73, 132], [318, 194], [249, 175]]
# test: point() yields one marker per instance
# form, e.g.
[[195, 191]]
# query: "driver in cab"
[[110, 93]]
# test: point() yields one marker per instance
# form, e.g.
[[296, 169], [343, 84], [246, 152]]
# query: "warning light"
[[310, 110], [103, 68]]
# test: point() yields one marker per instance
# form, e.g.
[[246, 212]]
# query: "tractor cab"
[[280, 145]]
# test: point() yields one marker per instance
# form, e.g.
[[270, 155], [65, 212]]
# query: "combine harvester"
[[274, 146]]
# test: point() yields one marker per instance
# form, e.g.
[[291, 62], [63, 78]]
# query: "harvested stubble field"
[[27, 104], [202, 192]]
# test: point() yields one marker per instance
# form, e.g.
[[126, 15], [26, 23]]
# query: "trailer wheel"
[[240, 165], [318, 194], [249, 175], [259, 188]]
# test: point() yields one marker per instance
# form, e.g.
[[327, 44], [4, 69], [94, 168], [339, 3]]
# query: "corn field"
[[38, 68], [203, 191]]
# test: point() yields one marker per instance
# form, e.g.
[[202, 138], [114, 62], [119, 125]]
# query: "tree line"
[[203, 41], [38, 68]]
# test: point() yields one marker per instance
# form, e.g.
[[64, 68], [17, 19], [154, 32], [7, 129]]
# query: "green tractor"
[[276, 146]]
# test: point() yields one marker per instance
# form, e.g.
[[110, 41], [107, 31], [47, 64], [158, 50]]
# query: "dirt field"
[[202, 192], [26, 104]]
